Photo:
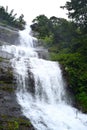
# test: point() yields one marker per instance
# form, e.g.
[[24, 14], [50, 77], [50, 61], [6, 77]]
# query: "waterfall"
[[41, 90]]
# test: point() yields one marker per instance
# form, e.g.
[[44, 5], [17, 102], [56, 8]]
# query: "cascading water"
[[41, 93]]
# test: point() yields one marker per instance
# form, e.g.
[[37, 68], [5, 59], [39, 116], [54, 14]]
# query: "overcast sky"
[[33, 8]]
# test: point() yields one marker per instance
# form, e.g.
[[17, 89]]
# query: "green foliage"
[[54, 30], [6, 87], [13, 123], [78, 12], [41, 25], [67, 43], [1, 59], [48, 40], [10, 18], [75, 66], [82, 99]]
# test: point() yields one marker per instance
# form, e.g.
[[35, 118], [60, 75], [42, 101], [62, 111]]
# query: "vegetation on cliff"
[[14, 123], [67, 43], [10, 18]]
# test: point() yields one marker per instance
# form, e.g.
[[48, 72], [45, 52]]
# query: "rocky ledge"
[[11, 117]]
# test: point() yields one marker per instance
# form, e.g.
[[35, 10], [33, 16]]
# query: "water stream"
[[40, 88]]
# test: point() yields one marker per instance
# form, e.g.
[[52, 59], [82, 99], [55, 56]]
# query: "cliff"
[[11, 117]]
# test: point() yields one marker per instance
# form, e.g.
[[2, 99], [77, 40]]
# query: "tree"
[[6, 9], [78, 12], [41, 25], [10, 18], [2, 12]]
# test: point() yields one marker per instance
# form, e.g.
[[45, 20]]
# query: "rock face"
[[8, 36], [11, 117]]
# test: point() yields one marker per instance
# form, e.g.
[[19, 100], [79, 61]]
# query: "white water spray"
[[41, 93]]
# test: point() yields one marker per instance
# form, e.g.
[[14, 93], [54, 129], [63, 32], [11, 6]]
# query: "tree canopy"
[[67, 43], [78, 12], [10, 18]]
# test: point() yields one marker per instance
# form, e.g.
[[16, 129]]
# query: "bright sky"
[[33, 8]]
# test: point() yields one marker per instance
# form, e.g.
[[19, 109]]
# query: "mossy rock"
[[13, 123], [7, 77], [6, 71], [6, 87]]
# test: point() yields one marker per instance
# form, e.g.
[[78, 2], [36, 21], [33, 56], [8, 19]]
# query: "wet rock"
[[42, 52], [7, 90], [14, 123], [6, 72], [10, 112], [8, 36], [3, 43], [6, 55], [30, 83], [11, 116]]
